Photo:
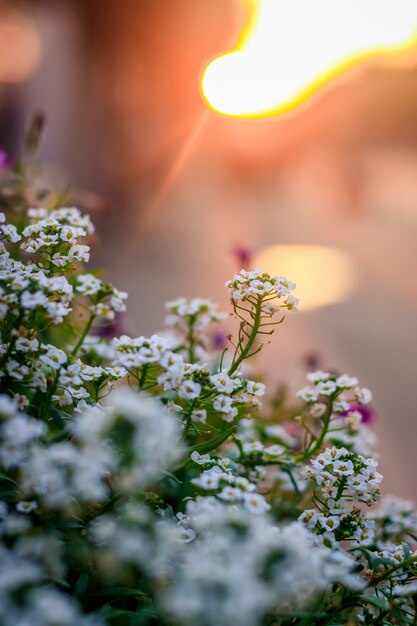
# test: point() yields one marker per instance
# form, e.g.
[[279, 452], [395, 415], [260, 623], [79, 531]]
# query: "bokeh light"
[[323, 275], [20, 48]]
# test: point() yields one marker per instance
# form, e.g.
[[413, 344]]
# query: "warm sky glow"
[[292, 47], [323, 275]]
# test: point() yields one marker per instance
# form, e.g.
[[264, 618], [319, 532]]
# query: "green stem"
[[191, 340], [309, 452], [12, 342], [410, 561], [143, 375], [237, 360], [83, 336], [47, 403]]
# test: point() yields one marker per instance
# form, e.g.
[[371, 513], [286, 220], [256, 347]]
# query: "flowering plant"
[[142, 481]]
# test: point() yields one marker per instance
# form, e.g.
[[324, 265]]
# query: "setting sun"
[[291, 48]]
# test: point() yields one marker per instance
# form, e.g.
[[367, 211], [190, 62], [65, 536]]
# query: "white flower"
[[189, 390], [318, 409], [343, 467], [201, 459], [172, 362], [169, 380], [308, 394], [30, 300], [24, 344], [252, 447], [274, 451], [326, 388], [255, 388], [223, 403], [222, 382], [255, 503], [292, 302], [88, 372], [346, 382], [8, 406], [88, 284], [57, 311], [54, 357], [309, 517], [230, 494], [317, 377], [26, 507], [80, 253], [16, 370], [199, 415], [71, 374], [102, 309], [363, 396], [208, 480], [10, 233]]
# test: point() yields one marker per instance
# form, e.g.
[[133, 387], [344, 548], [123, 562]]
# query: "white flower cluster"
[[18, 431], [156, 507], [144, 436], [79, 382], [219, 392], [129, 443], [242, 566], [395, 518], [134, 536], [23, 577], [27, 568], [56, 234], [63, 474], [396, 554], [327, 386], [218, 478], [25, 288], [254, 284], [106, 300], [343, 479], [195, 315]]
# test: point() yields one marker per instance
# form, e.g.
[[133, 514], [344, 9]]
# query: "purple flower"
[[243, 255], [5, 160], [218, 339], [114, 329], [367, 412]]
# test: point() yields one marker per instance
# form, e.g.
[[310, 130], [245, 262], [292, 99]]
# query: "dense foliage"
[[142, 481]]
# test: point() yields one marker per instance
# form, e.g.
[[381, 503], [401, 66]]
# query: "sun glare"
[[290, 48]]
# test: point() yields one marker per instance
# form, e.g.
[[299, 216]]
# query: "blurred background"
[[182, 197]]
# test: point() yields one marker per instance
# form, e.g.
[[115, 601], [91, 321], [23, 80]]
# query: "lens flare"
[[323, 275], [290, 48]]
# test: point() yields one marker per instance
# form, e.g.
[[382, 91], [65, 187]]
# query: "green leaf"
[[81, 586], [7, 479], [56, 417], [214, 443], [118, 591], [172, 476], [380, 603]]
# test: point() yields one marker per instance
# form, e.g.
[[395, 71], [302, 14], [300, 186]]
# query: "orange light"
[[323, 275], [20, 48], [290, 48]]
